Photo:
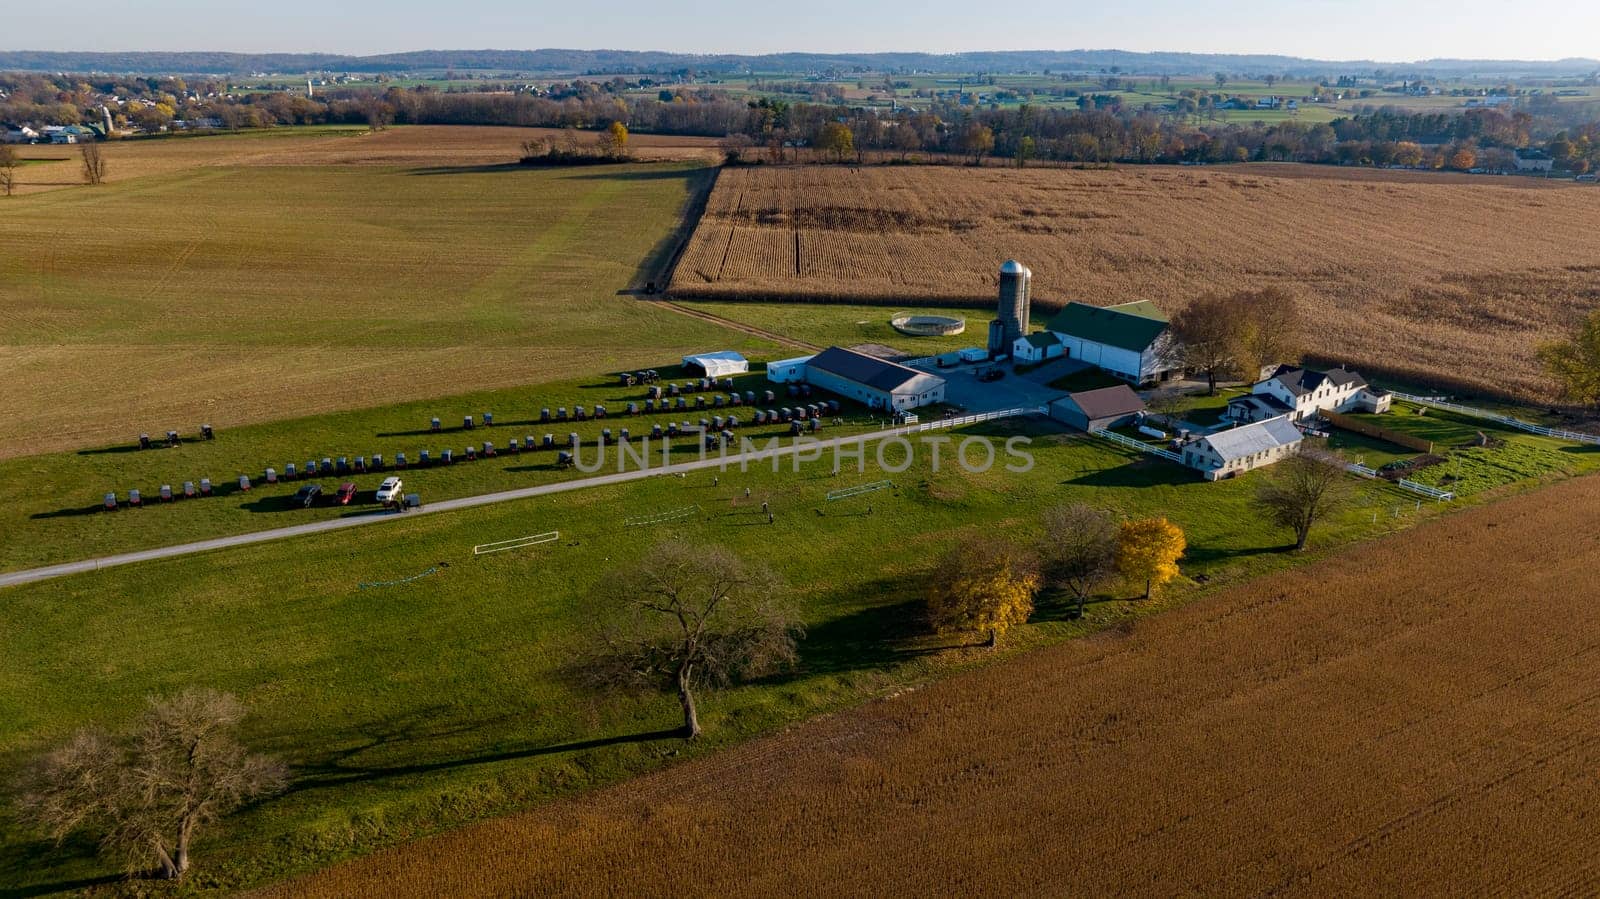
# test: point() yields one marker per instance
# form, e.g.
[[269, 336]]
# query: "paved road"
[[449, 505], [962, 388]]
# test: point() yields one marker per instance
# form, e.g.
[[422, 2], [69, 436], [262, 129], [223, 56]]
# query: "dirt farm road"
[[30, 575]]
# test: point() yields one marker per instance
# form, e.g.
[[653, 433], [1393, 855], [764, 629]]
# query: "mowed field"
[[1446, 279], [57, 166], [1415, 716], [256, 289], [415, 705]]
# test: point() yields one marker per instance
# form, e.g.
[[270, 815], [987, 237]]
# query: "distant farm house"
[[878, 383]]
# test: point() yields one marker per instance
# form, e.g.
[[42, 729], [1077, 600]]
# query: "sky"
[[1387, 31]]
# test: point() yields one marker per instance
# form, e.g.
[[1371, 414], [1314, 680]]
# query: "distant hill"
[[555, 61]]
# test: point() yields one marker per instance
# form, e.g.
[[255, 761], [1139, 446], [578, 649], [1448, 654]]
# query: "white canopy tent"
[[719, 364]]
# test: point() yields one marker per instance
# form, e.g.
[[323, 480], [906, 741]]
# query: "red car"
[[347, 492]]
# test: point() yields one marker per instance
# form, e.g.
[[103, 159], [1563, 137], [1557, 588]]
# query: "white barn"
[[877, 383], [1131, 341]]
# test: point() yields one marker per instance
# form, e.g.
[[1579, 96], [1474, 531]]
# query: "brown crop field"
[[1413, 716], [1449, 279]]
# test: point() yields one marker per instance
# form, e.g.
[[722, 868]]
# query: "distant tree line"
[[1103, 128]]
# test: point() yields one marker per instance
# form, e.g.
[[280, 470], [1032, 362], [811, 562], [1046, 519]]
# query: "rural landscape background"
[[319, 254]]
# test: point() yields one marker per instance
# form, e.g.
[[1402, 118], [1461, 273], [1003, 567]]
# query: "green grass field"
[[846, 325], [232, 294], [412, 707], [51, 505]]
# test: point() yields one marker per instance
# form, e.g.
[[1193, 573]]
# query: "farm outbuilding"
[[786, 371], [717, 365], [1093, 410], [1226, 453], [1037, 347], [878, 383]]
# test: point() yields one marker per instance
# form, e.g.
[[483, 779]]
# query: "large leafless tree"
[[687, 617], [94, 163], [147, 795], [1078, 549], [1207, 332], [1303, 490]]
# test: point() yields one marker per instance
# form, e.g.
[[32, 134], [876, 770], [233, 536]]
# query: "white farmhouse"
[[1302, 393], [1131, 341], [1226, 453]]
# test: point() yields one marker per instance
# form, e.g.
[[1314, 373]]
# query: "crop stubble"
[[1444, 279]]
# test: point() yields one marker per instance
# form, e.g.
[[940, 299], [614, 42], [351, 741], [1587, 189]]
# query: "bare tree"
[[687, 617], [8, 169], [1079, 549], [377, 113], [94, 163], [147, 795], [1302, 490], [1207, 335]]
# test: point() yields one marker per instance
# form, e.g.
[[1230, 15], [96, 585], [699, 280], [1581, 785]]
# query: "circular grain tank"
[[928, 325]]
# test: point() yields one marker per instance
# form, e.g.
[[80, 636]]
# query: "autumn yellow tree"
[[614, 140], [1148, 550], [836, 140], [1575, 363], [982, 586]]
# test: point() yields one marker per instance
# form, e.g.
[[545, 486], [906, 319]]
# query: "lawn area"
[[232, 294], [826, 324], [50, 505], [412, 707], [1511, 456]]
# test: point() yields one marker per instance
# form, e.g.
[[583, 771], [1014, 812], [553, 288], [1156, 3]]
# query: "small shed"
[[1037, 347], [717, 365], [786, 371], [1092, 410]]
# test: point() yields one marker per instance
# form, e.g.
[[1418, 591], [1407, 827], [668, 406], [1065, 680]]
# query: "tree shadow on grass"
[[1208, 555], [481, 169], [112, 450], [411, 731], [69, 513], [1058, 604], [338, 774], [38, 855], [877, 637]]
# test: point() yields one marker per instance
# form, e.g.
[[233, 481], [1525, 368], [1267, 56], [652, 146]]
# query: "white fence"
[[1139, 445], [501, 546], [964, 420], [1508, 421], [1430, 492]]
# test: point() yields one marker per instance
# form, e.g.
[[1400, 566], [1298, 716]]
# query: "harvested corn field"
[[1414, 716], [1439, 278]]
